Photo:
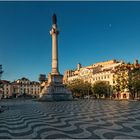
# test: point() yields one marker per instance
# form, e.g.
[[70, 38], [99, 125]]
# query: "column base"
[[55, 90]]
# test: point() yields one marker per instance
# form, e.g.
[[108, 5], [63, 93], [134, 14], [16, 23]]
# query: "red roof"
[[5, 82]]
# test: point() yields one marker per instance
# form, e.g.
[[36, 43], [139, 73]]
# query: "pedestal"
[[55, 90]]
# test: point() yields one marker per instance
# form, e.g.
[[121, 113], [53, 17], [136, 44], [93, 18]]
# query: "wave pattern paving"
[[88, 119]]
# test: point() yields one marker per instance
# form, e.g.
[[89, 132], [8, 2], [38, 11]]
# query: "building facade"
[[102, 71], [25, 86], [6, 89], [20, 87]]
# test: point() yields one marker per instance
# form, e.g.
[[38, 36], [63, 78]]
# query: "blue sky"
[[90, 32]]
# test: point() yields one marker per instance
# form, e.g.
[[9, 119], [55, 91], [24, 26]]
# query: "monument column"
[[54, 33], [55, 90]]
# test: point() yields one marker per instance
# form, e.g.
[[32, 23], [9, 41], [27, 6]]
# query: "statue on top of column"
[[54, 19]]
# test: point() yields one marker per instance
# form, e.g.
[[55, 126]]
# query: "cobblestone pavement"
[[70, 119]]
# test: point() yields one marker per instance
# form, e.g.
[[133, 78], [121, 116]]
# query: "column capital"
[[54, 31]]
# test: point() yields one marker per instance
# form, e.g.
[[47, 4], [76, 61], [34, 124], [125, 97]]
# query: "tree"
[[1, 71], [101, 88], [121, 77], [79, 88], [134, 82], [127, 77], [137, 86], [87, 88]]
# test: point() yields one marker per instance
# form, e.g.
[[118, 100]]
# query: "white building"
[[19, 87], [25, 86], [100, 71]]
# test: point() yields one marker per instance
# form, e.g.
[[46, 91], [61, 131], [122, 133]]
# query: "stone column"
[[54, 33]]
